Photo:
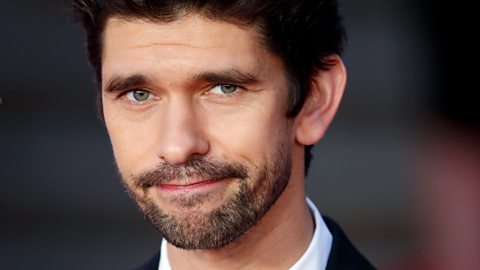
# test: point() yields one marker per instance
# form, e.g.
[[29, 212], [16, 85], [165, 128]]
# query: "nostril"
[[181, 148]]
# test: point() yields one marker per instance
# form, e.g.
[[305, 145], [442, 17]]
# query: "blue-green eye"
[[224, 89], [138, 95]]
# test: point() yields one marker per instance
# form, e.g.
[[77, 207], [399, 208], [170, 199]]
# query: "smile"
[[189, 186]]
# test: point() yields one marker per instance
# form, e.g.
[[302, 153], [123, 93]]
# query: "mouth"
[[187, 186]]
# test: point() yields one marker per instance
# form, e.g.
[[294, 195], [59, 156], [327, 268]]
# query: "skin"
[[187, 115]]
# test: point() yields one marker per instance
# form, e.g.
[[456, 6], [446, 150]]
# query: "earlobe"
[[327, 88]]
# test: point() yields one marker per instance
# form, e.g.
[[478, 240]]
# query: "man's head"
[[302, 33], [210, 104]]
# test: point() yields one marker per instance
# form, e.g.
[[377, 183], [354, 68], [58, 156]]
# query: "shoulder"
[[343, 255], [151, 264]]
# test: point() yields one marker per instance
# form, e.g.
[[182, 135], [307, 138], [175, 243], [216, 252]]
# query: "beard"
[[258, 188]]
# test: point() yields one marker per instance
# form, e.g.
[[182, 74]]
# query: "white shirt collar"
[[164, 262], [315, 257]]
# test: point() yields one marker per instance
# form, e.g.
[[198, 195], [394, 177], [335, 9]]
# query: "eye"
[[224, 89], [138, 95]]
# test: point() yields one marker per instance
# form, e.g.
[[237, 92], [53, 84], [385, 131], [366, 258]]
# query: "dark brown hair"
[[303, 33]]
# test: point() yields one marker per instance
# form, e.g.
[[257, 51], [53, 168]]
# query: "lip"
[[189, 186]]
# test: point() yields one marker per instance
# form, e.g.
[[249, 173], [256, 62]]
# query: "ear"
[[327, 88]]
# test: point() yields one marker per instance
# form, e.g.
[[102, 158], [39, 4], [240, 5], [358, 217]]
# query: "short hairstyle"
[[303, 33]]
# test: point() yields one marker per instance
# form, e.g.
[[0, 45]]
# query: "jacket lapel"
[[343, 255]]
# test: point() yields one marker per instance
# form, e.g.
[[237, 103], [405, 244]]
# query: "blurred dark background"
[[63, 207]]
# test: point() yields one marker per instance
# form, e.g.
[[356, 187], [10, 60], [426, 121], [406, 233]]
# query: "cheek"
[[130, 141], [251, 136], [119, 140]]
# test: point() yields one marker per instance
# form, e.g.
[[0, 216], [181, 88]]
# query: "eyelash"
[[238, 90], [125, 94]]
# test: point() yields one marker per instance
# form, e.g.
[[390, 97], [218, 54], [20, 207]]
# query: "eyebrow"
[[232, 76], [121, 83]]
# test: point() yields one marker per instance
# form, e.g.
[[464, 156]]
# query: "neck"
[[277, 241]]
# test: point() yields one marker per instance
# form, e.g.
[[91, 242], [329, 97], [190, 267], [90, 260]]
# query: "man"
[[212, 107]]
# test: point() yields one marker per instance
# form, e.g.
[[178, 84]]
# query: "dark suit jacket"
[[343, 256]]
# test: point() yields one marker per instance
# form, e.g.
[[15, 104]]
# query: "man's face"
[[195, 110]]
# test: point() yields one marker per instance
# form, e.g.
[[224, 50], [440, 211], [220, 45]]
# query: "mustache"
[[195, 167]]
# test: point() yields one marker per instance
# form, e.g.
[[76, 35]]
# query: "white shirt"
[[315, 257]]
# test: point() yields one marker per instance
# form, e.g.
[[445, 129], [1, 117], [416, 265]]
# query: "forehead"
[[192, 41]]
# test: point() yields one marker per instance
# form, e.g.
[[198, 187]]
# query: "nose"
[[181, 133]]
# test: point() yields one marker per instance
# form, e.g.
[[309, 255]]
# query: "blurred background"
[[398, 169]]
